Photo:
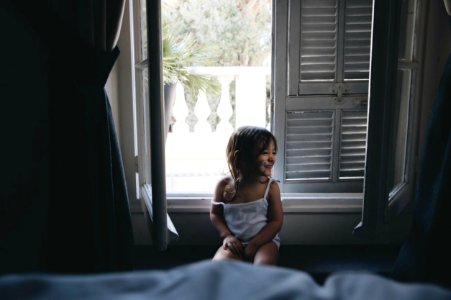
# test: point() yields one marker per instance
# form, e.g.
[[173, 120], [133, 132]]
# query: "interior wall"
[[120, 91], [298, 229]]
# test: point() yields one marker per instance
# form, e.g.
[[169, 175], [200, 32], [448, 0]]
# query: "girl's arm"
[[229, 241], [217, 211], [275, 219]]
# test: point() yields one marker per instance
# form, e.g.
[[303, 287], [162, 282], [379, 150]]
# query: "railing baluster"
[[202, 111], [225, 110], [180, 110]]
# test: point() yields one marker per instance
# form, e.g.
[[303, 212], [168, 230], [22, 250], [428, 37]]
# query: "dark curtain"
[[426, 255], [64, 206]]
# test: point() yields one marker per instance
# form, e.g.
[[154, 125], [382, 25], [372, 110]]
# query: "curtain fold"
[[82, 213]]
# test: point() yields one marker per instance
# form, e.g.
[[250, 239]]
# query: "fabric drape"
[[69, 210]]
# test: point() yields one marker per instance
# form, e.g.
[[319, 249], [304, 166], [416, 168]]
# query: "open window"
[[317, 107]]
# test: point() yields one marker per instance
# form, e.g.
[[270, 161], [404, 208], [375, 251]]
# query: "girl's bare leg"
[[223, 254], [268, 254]]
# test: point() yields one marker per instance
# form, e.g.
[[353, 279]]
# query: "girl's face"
[[266, 159]]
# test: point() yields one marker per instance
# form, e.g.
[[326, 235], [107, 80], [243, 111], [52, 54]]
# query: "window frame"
[[293, 202], [399, 196]]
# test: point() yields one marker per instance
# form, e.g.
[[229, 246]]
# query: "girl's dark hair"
[[244, 145]]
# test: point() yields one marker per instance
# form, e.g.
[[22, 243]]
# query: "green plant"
[[179, 53]]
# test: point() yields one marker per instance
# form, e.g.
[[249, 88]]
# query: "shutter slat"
[[308, 145], [309, 168], [353, 159], [352, 144], [307, 175], [295, 160], [355, 167], [309, 138]]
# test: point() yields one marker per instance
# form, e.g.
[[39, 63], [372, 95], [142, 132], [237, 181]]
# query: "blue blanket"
[[208, 280]]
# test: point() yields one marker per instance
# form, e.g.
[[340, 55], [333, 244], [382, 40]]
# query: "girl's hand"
[[233, 244], [250, 250]]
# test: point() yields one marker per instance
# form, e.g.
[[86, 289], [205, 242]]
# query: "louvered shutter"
[[323, 127]]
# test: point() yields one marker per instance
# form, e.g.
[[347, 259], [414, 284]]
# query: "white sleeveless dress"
[[245, 220]]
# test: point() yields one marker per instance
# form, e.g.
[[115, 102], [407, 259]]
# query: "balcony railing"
[[195, 150]]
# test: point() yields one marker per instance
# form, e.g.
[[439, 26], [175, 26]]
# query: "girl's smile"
[[266, 159], [264, 165]]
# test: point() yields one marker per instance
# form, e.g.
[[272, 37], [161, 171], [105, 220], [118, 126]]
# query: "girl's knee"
[[268, 254], [222, 254]]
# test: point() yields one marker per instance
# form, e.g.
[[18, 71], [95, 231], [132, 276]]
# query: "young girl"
[[246, 208]]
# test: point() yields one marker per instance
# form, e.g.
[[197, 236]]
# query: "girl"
[[246, 208]]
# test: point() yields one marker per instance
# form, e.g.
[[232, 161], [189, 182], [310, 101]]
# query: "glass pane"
[[406, 33], [401, 124], [216, 64], [144, 88]]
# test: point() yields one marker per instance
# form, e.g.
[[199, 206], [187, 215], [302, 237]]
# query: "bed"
[[214, 280]]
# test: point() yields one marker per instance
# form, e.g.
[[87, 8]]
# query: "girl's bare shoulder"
[[224, 188], [223, 182]]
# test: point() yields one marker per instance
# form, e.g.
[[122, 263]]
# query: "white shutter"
[[320, 119]]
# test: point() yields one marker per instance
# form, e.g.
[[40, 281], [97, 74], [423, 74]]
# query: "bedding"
[[214, 280]]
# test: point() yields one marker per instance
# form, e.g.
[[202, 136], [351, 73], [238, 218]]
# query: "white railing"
[[195, 159]]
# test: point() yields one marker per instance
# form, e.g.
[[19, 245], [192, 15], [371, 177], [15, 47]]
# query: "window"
[[228, 44], [317, 107]]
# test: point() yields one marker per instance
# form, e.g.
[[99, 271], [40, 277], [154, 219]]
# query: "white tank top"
[[246, 219]]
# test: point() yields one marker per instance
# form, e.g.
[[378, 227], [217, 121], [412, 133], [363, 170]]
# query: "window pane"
[[406, 33], [401, 123], [216, 57]]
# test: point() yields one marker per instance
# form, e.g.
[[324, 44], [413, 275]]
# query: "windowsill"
[[292, 203]]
